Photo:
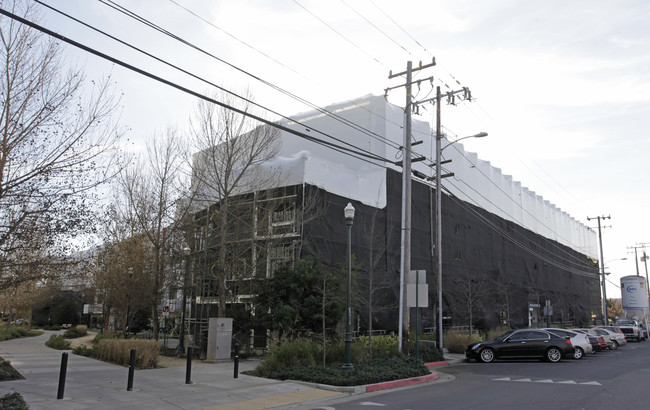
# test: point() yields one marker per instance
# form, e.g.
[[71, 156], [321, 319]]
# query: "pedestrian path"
[[93, 384]]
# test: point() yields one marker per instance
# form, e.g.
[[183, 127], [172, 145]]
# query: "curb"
[[437, 364], [383, 385], [400, 383]]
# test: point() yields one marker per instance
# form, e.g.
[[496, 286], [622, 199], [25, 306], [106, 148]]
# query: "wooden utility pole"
[[405, 258], [602, 265]]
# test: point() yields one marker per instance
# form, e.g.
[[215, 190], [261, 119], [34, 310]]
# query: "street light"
[[439, 215], [349, 219], [128, 305], [180, 350]]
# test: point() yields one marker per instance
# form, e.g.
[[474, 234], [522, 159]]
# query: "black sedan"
[[522, 344]]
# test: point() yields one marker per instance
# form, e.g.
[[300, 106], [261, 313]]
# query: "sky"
[[562, 87]]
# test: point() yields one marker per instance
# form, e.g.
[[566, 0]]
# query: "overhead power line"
[[169, 83], [360, 151]]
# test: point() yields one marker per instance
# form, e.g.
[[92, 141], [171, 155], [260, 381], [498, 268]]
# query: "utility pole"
[[602, 264], [406, 190], [405, 258]]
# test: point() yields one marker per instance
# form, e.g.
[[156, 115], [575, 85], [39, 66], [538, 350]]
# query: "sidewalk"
[[93, 384]]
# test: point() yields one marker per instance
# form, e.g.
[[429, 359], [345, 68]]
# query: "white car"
[[618, 339], [608, 337], [579, 340]]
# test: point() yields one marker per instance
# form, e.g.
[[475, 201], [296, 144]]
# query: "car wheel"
[[487, 355], [579, 353], [614, 345], [638, 339], [553, 355]]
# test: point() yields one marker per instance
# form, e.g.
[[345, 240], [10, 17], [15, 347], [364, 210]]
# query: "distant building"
[[506, 251]]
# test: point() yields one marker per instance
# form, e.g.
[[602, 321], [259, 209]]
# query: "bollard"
[[236, 368], [129, 383], [64, 368], [188, 367]]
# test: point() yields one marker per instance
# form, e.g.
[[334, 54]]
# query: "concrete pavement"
[[93, 384]]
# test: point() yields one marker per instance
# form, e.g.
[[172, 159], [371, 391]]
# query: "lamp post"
[[439, 150], [180, 350], [128, 306], [349, 219]]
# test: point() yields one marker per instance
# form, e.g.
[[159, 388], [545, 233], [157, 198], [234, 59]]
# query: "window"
[[532, 334]]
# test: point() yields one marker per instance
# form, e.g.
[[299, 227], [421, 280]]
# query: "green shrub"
[[335, 353], [58, 342], [15, 332], [427, 351], [364, 372], [85, 351], [119, 351], [75, 332], [13, 401], [294, 353], [7, 372], [51, 327], [382, 347], [457, 342]]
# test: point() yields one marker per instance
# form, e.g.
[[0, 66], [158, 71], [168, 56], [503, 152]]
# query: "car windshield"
[[503, 336]]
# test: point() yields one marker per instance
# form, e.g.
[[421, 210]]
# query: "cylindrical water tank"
[[633, 292]]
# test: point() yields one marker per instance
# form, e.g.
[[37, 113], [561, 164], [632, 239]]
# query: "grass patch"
[[119, 351], [457, 342], [58, 342]]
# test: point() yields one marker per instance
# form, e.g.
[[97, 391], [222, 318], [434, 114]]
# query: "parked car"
[[621, 337], [614, 329], [522, 344], [580, 341], [597, 342], [610, 338]]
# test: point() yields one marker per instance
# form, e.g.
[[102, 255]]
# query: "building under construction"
[[506, 252]]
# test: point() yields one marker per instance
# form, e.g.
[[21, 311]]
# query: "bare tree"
[[55, 141], [232, 151], [372, 281], [472, 289], [156, 204]]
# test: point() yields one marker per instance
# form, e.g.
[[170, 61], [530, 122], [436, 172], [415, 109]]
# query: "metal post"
[[236, 367], [349, 219], [181, 342], [417, 314], [129, 383], [188, 366], [62, 373]]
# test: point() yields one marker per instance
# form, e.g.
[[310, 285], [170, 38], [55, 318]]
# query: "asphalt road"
[[617, 379]]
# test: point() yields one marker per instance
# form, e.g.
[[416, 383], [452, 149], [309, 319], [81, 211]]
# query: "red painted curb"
[[403, 382], [436, 364]]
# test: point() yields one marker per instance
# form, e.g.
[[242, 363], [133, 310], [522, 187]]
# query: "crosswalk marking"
[[548, 381]]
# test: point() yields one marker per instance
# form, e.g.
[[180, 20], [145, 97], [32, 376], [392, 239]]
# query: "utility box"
[[219, 338]]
